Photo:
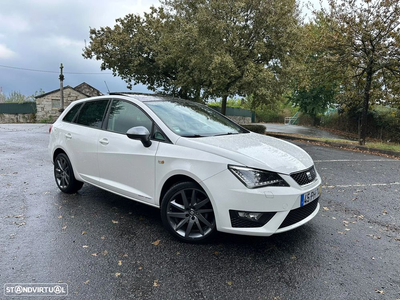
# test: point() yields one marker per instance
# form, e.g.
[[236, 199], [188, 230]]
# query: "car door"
[[81, 138], [126, 166]]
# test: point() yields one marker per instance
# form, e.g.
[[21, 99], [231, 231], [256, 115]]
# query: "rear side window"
[[92, 113], [69, 117]]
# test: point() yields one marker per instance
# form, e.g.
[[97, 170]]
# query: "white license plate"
[[310, 196]]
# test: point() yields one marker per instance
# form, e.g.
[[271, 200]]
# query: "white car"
[[203, 171]]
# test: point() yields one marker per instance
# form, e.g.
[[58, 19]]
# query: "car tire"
[[187, 213], [64, 175]]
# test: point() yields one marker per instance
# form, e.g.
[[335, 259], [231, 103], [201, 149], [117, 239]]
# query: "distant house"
[[49, 104]]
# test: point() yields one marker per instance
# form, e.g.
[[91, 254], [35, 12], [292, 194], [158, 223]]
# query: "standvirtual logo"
[[36, 289]]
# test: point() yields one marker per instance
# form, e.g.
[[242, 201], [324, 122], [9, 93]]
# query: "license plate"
[[310, 196]]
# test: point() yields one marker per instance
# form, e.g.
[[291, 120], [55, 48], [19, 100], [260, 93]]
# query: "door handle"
[[104, 141], [68, 136]]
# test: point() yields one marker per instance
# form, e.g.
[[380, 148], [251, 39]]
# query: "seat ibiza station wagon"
[[203, 171]]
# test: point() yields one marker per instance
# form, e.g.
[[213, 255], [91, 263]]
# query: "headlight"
[[253, 178]]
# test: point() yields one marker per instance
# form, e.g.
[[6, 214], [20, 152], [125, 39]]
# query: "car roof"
[[143, 97]]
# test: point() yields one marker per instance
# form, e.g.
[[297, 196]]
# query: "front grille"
[[241, 222], [305, 177], [298, 214]]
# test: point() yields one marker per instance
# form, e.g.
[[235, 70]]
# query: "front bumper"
[[281, 206]]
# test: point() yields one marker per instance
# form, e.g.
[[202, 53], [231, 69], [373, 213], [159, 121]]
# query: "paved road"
[[108, 247], [304, 130]]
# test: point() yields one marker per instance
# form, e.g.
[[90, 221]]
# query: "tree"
[[314, 101], [16, 97], [203, 48], [363, 37], [315, 87]]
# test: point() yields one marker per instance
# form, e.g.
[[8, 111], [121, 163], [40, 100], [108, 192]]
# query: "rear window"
[[69, 117], [92, 113]]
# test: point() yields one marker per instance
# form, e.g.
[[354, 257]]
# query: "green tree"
[[16, 97], [363, 37], [315, 87], [313, 101], [204, 48]]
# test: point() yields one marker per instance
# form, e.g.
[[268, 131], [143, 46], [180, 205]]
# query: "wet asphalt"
[[107, 247], [303, 130]]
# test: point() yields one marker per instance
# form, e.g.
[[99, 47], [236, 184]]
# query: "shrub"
[[274, 114], [307, 120], [269, 116], [383, 123]]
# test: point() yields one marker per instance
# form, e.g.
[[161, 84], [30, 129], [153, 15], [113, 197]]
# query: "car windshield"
[[190, 119]]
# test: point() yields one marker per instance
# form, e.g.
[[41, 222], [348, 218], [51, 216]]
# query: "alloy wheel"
[[189, 213]]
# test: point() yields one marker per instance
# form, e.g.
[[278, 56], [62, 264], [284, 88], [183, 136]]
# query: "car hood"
[[254, 150]]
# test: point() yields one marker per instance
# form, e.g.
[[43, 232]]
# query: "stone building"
[[49, 104]]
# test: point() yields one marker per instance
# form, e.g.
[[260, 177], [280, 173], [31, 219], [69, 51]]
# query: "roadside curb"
[[334, 144]]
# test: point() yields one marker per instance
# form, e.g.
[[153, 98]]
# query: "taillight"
[[50, 128]]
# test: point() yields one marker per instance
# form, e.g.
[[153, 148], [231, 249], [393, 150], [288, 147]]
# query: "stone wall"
[[17, 118], [240, 119], [44, 105]]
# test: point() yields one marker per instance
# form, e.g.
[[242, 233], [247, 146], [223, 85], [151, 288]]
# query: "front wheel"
[[187, 213], [64, 175]]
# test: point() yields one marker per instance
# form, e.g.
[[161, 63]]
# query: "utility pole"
[[61, 88]]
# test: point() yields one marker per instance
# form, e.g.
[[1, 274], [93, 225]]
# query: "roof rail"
[[154, 95], [132, 93]]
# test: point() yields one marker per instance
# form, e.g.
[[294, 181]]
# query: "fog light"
[[247, 219], [250, 215]]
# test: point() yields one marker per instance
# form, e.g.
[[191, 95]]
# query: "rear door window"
[[92, 113]]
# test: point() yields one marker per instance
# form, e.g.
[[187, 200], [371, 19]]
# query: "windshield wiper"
[[193, 136], [228, 133]]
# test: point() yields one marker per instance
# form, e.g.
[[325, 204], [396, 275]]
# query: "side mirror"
[[140, 133]]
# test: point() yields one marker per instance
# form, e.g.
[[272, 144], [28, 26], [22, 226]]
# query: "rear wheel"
[[64, 175], [187, 213]]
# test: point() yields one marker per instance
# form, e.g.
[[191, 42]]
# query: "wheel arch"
[[172, 181], [61, 150], [58, 151]]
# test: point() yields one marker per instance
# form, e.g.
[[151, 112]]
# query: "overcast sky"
[[41, 34]]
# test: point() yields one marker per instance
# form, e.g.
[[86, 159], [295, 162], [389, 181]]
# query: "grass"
[[374, 145], [384, 146]]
